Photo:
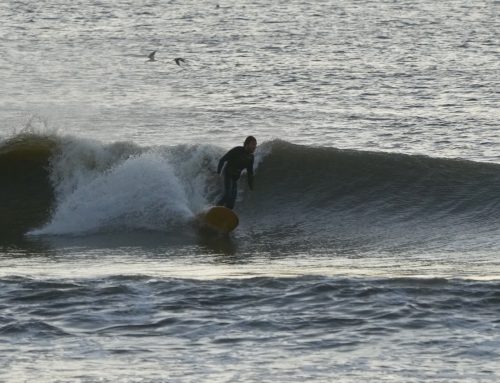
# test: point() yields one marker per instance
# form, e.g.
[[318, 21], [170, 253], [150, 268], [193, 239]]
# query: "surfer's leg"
[[233, 192], [227, 192], [221, 201]]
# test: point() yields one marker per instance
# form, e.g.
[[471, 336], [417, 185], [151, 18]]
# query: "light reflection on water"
[[215, 258], [351, 78]]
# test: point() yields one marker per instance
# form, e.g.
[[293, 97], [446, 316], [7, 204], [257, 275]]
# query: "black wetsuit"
[[237, 159]]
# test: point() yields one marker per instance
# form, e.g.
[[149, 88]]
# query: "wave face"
[[67, 185], [342, 197]]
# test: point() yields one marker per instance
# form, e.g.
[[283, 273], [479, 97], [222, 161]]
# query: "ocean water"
[[368, 251]]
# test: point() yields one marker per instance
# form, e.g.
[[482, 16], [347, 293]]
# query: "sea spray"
[[140, 193]]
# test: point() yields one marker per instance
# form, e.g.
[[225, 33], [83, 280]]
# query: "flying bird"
[[179, 60], [152, 56]]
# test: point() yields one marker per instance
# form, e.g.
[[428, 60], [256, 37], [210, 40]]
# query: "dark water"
[[258, 329]]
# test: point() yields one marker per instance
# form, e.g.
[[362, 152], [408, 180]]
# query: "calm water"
[[368, 251]]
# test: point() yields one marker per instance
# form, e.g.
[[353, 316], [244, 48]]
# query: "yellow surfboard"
[[220, 219]]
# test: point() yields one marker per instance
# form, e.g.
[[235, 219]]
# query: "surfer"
[[237, 159]]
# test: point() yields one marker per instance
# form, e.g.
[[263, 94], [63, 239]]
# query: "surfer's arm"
[[250, 174], [221, 164], [224, 158]]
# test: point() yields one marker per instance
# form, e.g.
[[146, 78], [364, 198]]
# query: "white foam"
[[81, 160], [141, 192]]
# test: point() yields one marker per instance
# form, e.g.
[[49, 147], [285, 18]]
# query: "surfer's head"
[[250, 144]]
